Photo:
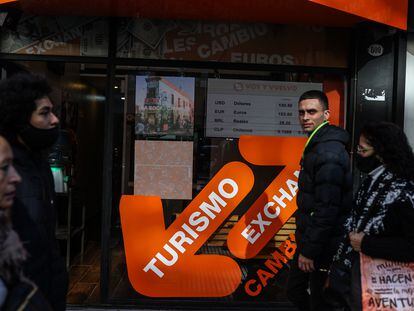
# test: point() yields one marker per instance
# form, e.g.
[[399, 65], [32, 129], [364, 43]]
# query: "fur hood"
[[12, 252], [372, 206]]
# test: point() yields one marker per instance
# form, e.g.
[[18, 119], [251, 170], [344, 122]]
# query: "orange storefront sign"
[[277, 203], [389, 12], [322, 12], [167, 262], [163, 262]]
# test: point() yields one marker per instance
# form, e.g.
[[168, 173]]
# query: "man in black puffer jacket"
[[324, 199], [28, 122]]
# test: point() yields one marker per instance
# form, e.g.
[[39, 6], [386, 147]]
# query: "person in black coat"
[[381, 222], [28, 122], [324, 200], [12, 253], [16, 291]]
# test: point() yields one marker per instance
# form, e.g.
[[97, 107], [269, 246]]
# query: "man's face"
[[9, 177], [43, 116], [311, 114]]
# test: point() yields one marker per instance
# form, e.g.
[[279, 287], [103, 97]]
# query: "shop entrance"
[[173, 141], [79, 98], [171, 137]]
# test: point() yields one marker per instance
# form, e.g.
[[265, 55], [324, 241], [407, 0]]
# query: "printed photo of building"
[[164, 106]]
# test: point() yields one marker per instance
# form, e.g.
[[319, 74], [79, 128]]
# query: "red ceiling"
[[344, 13]]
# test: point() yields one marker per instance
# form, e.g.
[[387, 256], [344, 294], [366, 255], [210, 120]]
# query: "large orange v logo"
[[163, 262]]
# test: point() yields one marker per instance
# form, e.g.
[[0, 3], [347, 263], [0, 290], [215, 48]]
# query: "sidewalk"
[[93, 309], [123, 309], [135, 309]]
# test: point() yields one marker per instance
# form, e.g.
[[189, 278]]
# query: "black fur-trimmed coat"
[[33, 218], [385, 213]]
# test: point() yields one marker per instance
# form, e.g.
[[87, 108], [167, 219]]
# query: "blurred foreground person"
[[16, 292], [381, 224], [28, 122]]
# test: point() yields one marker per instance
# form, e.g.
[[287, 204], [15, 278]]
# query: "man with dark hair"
[[320, 96], [28, 122], [324, 200]]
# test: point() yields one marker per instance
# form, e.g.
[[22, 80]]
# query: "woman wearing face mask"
[[381, 222], [28, 122]]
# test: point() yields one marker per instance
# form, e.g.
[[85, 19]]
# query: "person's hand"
[[356, 240], [327, 283], [305, 264]]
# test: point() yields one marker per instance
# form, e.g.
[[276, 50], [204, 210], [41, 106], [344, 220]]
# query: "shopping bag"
[[386, 285]]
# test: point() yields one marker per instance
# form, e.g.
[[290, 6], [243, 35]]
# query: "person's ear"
[[326, 115]]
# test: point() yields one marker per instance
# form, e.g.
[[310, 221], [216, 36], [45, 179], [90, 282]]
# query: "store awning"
[[344, 13], [389, 12]]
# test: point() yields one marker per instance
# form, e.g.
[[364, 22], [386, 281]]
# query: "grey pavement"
[[93, 309]]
